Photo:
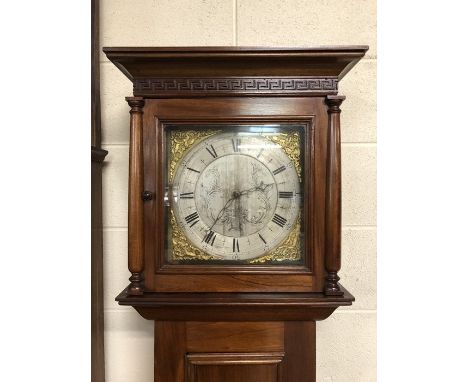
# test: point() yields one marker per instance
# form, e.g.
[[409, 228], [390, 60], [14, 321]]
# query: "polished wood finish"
[[135, 202], [235, 306], [299, 347], [236, 367], [169, 351], [244, 337], [234, 351], [333, 197], [97, 157], [235, 323]]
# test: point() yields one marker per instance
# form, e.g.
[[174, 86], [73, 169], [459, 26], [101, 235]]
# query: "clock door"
[[234, 193], [237, 194]]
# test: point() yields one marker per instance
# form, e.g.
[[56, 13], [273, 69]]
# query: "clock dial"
[[236, 195]]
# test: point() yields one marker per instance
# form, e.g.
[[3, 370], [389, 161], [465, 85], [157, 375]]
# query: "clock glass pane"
[[234, 194]]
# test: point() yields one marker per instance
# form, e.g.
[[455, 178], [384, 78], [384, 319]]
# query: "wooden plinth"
[[234, 337], [194, 351]]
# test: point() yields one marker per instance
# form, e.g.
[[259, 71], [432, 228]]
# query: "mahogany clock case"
[[235, 86], [235, 321]]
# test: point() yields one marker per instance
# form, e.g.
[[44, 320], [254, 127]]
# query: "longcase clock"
[[235, 206]]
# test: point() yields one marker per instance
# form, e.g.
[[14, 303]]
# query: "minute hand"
[[221, 211]]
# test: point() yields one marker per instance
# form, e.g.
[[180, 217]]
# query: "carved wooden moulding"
[[164, 87], [235, 71]]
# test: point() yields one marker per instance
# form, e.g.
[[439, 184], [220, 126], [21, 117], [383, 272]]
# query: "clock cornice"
[[166, 72]]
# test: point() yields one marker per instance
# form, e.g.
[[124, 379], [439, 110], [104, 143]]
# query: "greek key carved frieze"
[[207, 86]]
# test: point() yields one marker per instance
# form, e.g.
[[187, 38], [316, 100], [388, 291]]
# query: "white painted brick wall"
[[346, 343]]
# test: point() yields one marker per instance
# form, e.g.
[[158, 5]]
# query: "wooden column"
[[135, 202], [333, 198]]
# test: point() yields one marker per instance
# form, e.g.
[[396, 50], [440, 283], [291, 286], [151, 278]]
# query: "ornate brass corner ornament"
[[180, 142], [181, 247], [288, 250], [290, 143]]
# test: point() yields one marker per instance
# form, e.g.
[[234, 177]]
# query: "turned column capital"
[[136, 104], [334, 102]]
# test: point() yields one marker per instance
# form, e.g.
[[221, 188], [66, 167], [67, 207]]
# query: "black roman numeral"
[[278, 170], [235, 144], [192, 169], [285, 194], [186, 195], [192, 218], [261, 238], [212, 151], [278, 219], [235, 245], [209, 238]]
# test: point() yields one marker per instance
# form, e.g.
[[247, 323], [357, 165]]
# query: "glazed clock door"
[[235, 194]]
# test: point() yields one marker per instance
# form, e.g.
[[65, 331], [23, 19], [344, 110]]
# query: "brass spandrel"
[[181, 247], [289, 250], [290, 143], [180, 142]]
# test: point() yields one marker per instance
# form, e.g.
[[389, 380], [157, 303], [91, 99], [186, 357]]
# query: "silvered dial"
[[236, 195]]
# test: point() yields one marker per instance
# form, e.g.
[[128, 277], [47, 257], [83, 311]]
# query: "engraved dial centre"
[[236, 195]]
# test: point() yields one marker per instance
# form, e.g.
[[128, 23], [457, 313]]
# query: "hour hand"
[[262, 188]]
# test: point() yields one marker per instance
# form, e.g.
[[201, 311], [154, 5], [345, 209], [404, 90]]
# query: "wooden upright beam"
[[135, 201], [97, 157], [333, 197]]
